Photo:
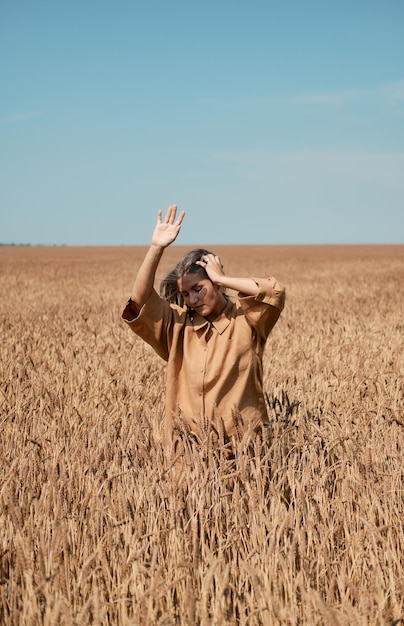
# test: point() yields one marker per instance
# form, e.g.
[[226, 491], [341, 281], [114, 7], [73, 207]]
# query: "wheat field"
[[304, 528]]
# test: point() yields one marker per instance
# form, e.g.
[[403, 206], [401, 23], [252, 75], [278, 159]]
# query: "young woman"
[[213, 345]]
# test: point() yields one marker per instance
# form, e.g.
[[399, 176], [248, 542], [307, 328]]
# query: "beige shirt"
[[214, 369]]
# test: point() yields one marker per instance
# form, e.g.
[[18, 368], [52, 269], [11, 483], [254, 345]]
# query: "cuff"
[[270, 292], [130, 312]]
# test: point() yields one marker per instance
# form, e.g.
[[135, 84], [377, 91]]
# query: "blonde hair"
[[187, 265]]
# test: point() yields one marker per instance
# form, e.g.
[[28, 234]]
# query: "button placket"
[[205, 339]]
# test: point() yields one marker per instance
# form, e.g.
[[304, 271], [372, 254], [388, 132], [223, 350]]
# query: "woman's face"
[[201, 295]]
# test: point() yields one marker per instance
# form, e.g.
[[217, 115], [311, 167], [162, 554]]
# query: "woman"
[[213, 346]]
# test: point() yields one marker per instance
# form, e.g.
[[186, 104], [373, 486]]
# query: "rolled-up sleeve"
[[151, 323], [271, 292], [263, 310], [130, 312]]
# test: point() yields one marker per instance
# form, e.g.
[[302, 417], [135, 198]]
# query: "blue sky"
[[268, 122]]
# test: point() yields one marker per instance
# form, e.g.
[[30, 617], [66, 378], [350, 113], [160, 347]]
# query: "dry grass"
[[305, 529]]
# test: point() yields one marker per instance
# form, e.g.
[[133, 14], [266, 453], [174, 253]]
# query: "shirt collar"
[[220, 323]]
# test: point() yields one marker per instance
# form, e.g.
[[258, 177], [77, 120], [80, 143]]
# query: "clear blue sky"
[[267, 121]]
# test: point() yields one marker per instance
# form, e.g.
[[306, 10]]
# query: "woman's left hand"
[[213, 267]]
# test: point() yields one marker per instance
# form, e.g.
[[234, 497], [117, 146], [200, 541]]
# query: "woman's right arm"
[[164, 234]]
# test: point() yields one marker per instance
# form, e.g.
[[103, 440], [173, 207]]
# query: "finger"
[[172, 210], [159, 216], [168, 217], [180, 218]]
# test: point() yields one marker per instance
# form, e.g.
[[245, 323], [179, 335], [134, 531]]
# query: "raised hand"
[[167, 231], [213, 267]]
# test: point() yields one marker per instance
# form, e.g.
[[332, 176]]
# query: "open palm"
[[167, 231]]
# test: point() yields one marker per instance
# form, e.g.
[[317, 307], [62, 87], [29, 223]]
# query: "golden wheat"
[[304, 527]]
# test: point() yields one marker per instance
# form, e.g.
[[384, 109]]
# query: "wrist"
[[222, 281], [156, 247]]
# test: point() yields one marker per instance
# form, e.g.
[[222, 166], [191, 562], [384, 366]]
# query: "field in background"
[[306, 530]]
